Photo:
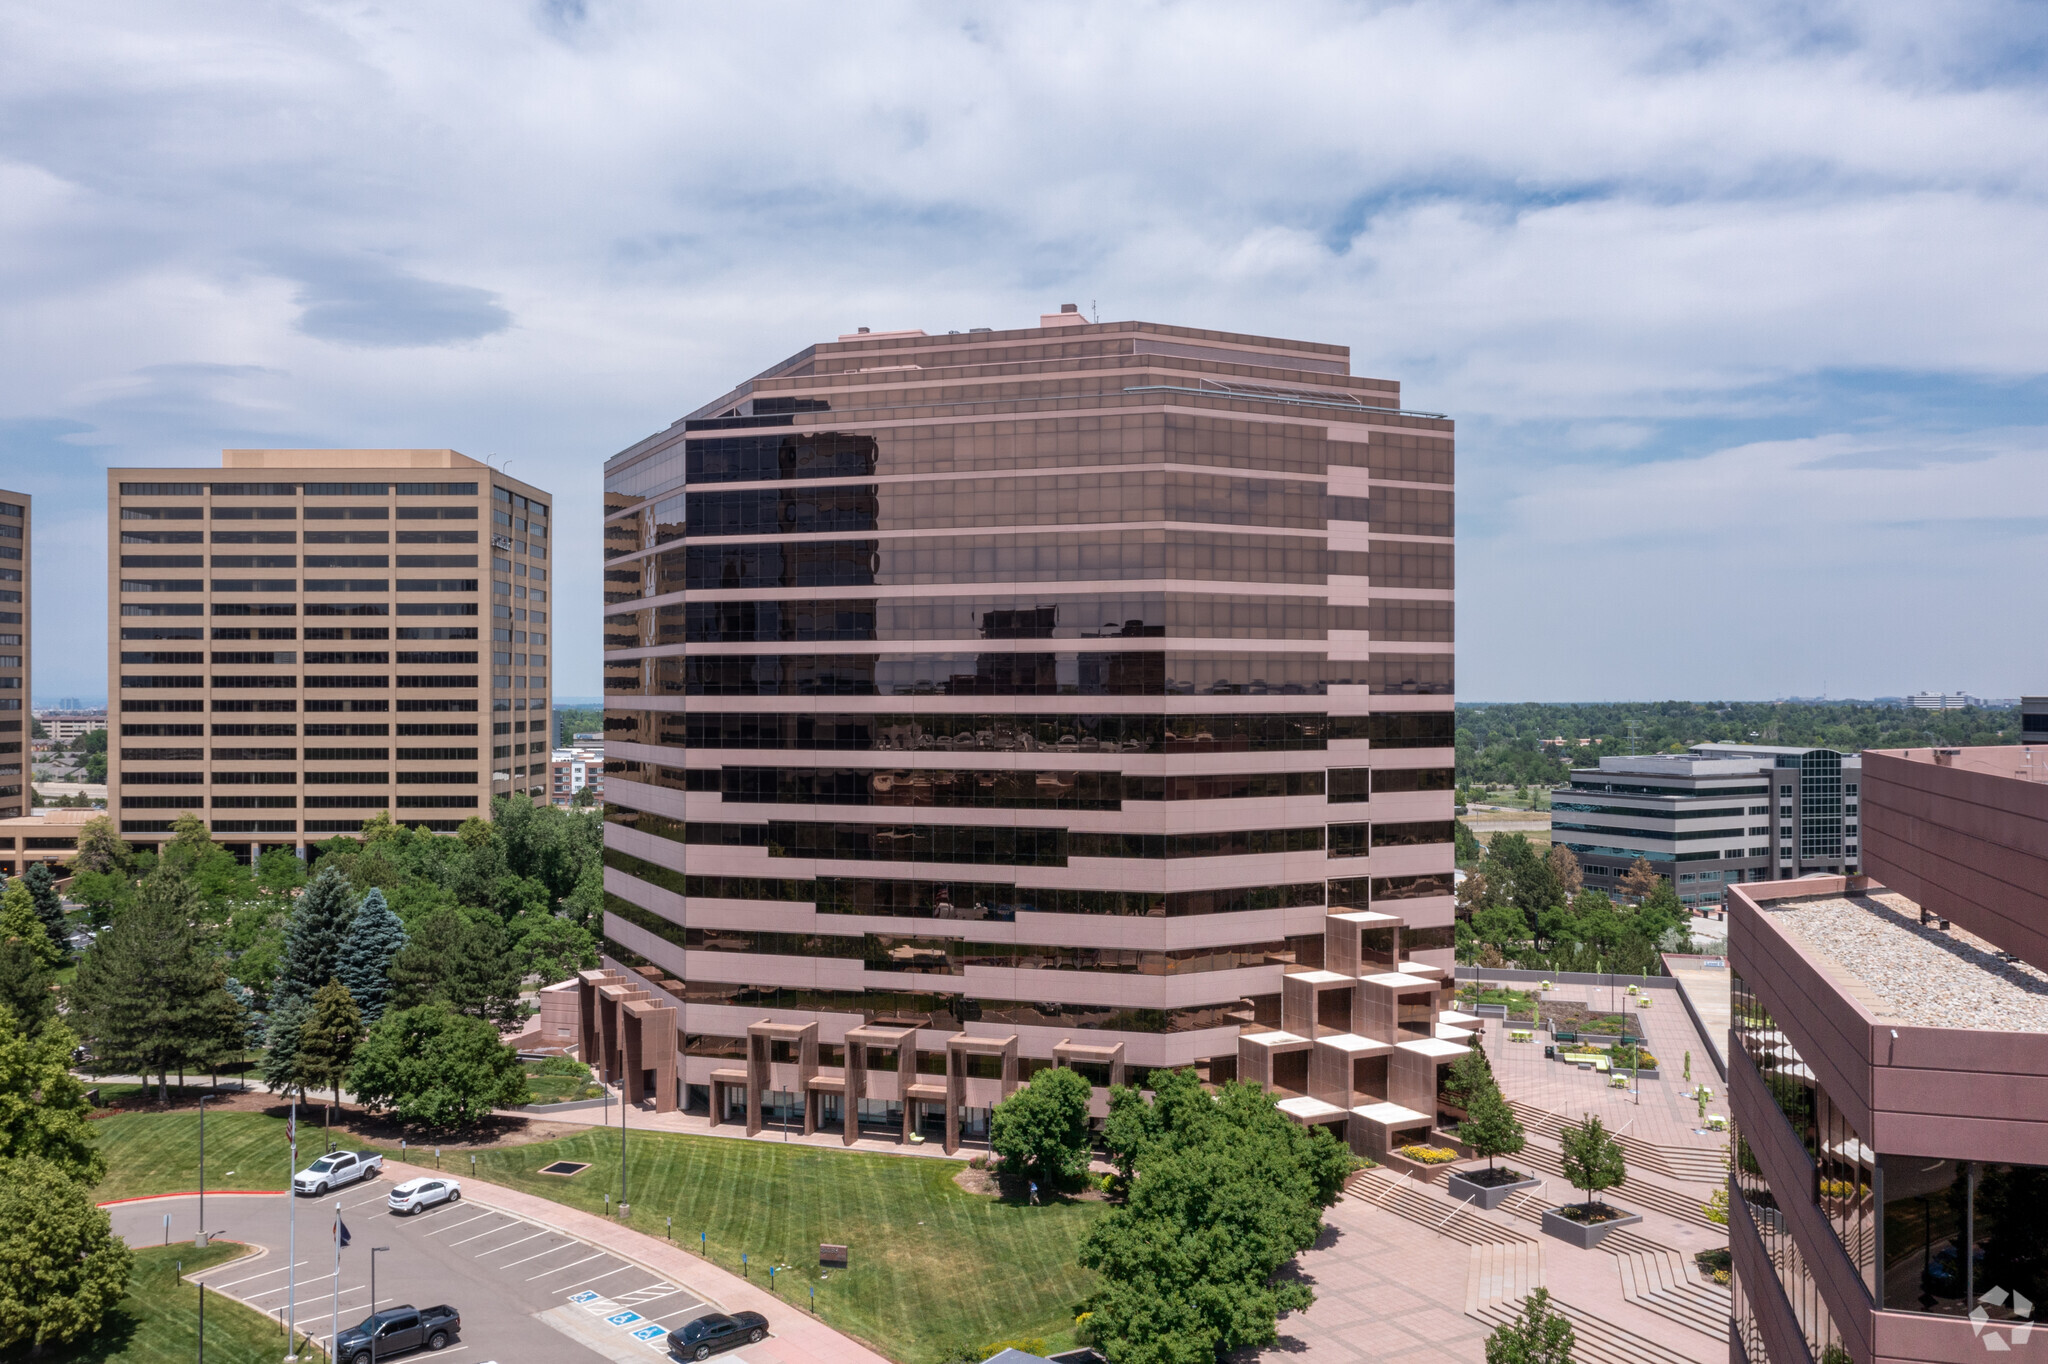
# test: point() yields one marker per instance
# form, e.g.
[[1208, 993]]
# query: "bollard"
[[167, 1228], [703, 1244], [671, 1228], [814, 1298], [771, 1278], [743, 1266]]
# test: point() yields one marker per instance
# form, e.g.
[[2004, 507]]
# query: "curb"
[[194, 1193]]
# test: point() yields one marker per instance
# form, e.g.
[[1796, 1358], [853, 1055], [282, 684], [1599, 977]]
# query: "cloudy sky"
[[1739, 306]]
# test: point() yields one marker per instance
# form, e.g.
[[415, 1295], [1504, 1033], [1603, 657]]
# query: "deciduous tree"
[[1639, 880], [61, 1266], [1564, 865], [1226, 1190], [431, 1065], [1491, 1127], [1592, 1158], [553, 948], [1041, 1131], [43, 1108], [463, 958], [100, 848], [328, 1037], [1539, 1336]]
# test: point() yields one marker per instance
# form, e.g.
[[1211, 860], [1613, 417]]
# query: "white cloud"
[[540, 233]]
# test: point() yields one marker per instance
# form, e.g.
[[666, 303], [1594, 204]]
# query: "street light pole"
[[374, 1252], [622, 1142], [200, 1239]]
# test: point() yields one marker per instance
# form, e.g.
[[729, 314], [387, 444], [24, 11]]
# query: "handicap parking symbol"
[[623, 1318], [650, 1332], [585, 1296]]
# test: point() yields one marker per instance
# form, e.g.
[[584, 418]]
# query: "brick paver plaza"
[[1393, 1282]]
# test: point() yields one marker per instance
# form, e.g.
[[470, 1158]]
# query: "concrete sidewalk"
[[799, 1338]]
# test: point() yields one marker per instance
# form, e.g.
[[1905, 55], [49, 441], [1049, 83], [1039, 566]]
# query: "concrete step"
[[1701, 1165], [1671, 1203], [1502, 1273], [1599, 1342], [1407, 1198]]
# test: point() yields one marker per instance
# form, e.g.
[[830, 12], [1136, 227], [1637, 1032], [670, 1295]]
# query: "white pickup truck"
[[336, 1169]]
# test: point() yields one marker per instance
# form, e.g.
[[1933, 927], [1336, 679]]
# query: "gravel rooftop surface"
[[1923, 975]]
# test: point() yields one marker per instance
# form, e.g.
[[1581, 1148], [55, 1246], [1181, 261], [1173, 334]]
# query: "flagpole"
[[334, 1340], [291, 1259]]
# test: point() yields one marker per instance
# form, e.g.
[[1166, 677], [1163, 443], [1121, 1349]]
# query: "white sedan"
[[415, 1194]]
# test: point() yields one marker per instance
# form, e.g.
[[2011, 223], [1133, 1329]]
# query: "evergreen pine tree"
[[281, 1039], [18, 923], [312, 950], [42, 886], [150, 993], [328, 1036], [374, 937], [312, 938]]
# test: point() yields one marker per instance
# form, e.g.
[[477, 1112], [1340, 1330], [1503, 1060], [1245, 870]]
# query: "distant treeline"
[[1502, 744]]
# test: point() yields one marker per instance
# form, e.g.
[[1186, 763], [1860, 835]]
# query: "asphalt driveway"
[[504, 1273]]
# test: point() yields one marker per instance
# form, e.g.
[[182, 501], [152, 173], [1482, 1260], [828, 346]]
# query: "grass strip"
[[158, 1321]]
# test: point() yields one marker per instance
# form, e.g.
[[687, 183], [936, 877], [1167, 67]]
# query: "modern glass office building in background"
[[1717, 815], [990, 700]]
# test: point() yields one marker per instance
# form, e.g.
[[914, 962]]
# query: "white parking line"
[[567, 1245], [380, 1198], [487, 1212], [580, 1282], [480, 1235], [217, 1287], [509, 1244], [641, 1305], [571, 1265]]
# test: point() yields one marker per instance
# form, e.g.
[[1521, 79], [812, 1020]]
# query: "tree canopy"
[[1225, 1190], [61, 1266], [433, 1066], [43, 1108], [151, 993], [1041, 1131]]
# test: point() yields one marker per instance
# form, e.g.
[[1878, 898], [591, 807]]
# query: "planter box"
[[1488, 1196], [1579, 1234], [1414, 1169]]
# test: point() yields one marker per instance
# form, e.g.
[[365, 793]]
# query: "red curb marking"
[[194, 1193]]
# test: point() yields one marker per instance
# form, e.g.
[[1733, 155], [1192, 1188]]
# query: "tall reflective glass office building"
[[991, 700]]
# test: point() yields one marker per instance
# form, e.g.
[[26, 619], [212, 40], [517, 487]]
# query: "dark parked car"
[[396, 1330], [700, 1337]]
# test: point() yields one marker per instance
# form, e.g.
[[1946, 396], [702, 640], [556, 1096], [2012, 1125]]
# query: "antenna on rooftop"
[[1094, 311]]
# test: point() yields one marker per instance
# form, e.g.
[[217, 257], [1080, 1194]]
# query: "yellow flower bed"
[[1429, 1155]]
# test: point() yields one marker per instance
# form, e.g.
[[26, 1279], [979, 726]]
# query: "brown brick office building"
[[302, 639], [1889, 1077], [16, 577], [992, 700]]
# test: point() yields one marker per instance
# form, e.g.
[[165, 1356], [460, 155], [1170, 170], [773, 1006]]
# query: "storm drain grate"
[[565, 1167]]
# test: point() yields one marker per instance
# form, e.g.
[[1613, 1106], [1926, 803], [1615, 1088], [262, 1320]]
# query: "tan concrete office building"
[[302, 639], [1001, 699], [15, 770]]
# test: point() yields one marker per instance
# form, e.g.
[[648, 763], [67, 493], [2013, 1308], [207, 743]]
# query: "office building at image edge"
[[1716, 815], [993, 700], [1888, 1062], [16, 764], [301, 640]]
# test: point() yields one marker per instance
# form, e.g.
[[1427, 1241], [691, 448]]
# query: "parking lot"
[[503, 1273]]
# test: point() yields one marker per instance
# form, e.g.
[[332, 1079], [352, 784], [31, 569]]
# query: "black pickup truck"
[[396, 1331]]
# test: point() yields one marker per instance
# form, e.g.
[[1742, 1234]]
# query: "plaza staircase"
[[1670, 1202], [1700, 1166]]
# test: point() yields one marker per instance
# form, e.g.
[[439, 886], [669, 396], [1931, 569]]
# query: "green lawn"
[[149, 1153], [158, 1322], [554, 1089], [933, 1268]]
